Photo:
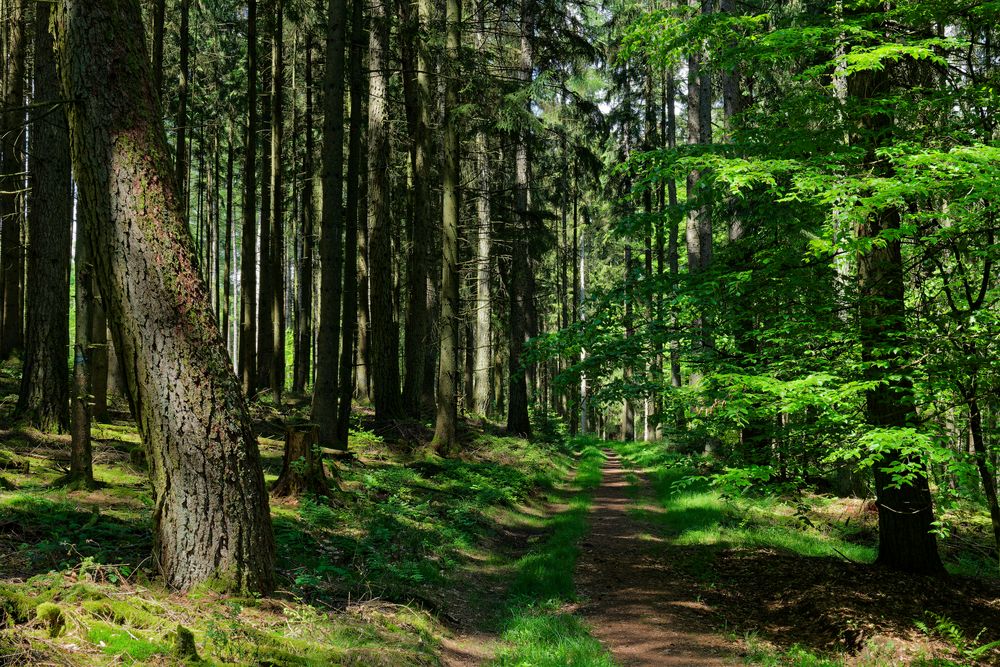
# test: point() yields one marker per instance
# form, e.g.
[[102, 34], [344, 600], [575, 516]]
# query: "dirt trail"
[[635, 601]]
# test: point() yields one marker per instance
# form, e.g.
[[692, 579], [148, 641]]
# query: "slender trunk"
[[325, 394], [983, 464], [97, 358], [181, 119], [304, 331], [518, 420], [12, 180], [385, 333], [417, 91], [353, 214], [483, 353], [44, 397], [210, 515], [276, 379], [81, 461], [248, 249], [265, 284], [227, 277], [447, 398]]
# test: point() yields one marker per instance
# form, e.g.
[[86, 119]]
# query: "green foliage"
[[970, 651]]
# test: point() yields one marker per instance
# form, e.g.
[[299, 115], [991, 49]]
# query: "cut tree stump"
[[302, 470]]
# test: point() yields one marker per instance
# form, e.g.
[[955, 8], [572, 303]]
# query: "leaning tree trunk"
[[211, 513], [44, 397]]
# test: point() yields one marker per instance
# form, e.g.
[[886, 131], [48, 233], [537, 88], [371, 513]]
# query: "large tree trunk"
[[12, 180], [44, 398], [211, 514], [447, 395], [384, 330], [248, 251], [353, 215], [325, 394]]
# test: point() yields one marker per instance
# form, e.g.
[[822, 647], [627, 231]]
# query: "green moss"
[[119, 612], [124, 644], [15, 606], [51, 615]]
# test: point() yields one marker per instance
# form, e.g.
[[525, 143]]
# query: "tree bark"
[[265, 285], [302, 470], [447, 395], [210, 512], [276, 379], [483, 337], [353, 214], [304, 330], [159, 21], [325, 394], [44, 396], [81, 460], [12, 180], [384, 330], [518, 420], [227, 276], [248, 259]]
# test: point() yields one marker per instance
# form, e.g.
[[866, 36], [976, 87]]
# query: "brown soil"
[[635, 600]]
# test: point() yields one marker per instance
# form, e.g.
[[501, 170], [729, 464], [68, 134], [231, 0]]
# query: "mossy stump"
[[302, 470]]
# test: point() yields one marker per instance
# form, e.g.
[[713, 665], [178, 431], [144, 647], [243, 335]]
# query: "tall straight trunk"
[[276, 378], [906, 513], [325, 394], [216, 226], [482, 359], [981, 455], [353, 214], [582, 292], [653, 368], [362, 376], [384, 330], [159, 21], [628, 410], [574, 423], [447, 398], [44, 397], [227, 273], [81, 460], [417, 89], [12, 180], [304, 331], [265, 284], [673, 246], [181, 157], [518, 420], [248, 249], [211, 518]]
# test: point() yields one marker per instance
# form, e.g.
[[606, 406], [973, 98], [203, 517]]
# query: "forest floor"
[[519, 553]]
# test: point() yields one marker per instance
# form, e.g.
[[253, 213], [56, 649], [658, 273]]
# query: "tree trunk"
[[483, 337], [12, 180], [302, 469], [81, 461], [276, 378], [447, 398], [418, 96], [304, 330], [44, 397], [325, 394], [227, 276], [265, 285], [518, 420], [353, 215], [384, 330], [983, 464], [181, 119], [159, 21], [248, 258], [211, 519]]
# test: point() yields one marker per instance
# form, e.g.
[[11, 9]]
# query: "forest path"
[[635, 600]]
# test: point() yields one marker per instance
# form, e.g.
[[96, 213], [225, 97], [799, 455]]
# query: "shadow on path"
[[634, 598]]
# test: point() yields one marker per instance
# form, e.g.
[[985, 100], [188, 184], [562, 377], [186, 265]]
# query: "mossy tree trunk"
[[302, 469], [44, 397], [211, 513]]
